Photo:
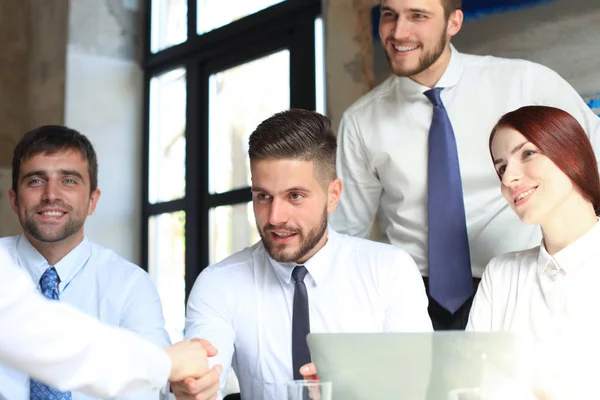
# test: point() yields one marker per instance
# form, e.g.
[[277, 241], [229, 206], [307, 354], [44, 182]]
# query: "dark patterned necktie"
[[450, 282], [38, 390], [300, 321]]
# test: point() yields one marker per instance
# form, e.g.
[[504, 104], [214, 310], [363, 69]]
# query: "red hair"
[[561, 138]]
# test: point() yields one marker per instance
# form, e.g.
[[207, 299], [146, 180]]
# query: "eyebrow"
[[413, 10], [419, 10], [513, 151], [292, 189], [62, 172]]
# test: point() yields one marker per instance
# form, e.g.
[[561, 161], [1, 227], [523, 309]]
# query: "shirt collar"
[[35, 263], [318, 265], [574, 254], [449, 78]]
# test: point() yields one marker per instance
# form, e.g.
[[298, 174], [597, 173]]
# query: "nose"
[[278, 214], [51, 191], [512, 174], [401, 31]]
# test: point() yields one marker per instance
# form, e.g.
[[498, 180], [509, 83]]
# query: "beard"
[[50, 233], [426, 59], [308, 241]]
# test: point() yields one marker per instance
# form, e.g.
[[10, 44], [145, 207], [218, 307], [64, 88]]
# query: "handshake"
[[190, 376]]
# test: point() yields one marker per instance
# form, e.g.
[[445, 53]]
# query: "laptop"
[[448, 365]]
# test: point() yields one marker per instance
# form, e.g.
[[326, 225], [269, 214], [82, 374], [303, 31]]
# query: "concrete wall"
[[32, 79], [563, 35], [77, 62], [104, 84]]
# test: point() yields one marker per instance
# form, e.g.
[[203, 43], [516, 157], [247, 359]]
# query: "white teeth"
[[405, 48], [52, 213], [283, 235], [524, 194]]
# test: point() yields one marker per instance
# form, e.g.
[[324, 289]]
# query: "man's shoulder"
[[9, 242], [108, 261], [240, 261], [373, 98], [370, 248], [8, 245], [490, 64]]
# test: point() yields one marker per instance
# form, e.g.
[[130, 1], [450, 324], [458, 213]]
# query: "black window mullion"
[[147, 30], [166, 207], [192, 19], [302, 65], [235, 196], [145, 173], [196, 163]]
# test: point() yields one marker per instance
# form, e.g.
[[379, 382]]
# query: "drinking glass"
[[308, 390]]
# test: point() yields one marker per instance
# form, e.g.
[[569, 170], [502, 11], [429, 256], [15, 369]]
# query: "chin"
[[529, 219]]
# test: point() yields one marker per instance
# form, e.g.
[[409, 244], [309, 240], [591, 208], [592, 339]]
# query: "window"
[[212, 73]]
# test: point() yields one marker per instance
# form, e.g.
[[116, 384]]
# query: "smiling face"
[[415, 35], [535, 188], [291, 205], [53, 198]]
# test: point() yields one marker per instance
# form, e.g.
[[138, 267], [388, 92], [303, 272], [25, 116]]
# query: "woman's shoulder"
[[516, 261]]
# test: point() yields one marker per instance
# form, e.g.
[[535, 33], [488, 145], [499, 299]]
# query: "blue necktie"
[[450, 282], [38, 390], [300, 321]]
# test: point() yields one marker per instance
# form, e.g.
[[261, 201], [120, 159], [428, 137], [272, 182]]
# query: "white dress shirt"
[[544, 296], [243, 305], [551, 304], [101, 284], [56, 343], [383, 153]]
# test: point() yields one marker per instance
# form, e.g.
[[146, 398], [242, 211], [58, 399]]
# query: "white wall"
[[563, 35], [104, 102], [104, 90]]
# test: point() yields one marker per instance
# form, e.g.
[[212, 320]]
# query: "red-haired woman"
[[547, 295], [549, 176]]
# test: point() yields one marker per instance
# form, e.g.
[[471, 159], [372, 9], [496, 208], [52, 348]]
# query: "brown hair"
[[52, 139], [450, 6], [296, 134]]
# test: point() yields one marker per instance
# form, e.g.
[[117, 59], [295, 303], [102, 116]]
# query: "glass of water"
[[308, 390]]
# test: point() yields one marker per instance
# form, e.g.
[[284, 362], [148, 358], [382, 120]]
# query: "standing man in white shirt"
[[54, 189], [413, 151], [60, 345], [258, 305]]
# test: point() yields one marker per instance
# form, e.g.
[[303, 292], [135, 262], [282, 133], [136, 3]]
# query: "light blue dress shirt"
[[100, 283]]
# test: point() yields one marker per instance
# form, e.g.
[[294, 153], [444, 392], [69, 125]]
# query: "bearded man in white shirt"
[[54, 189], [388, 160], [257, 306]]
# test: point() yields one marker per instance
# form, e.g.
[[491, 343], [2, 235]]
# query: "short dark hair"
[[450, 6], [52, 139], [296, 134]]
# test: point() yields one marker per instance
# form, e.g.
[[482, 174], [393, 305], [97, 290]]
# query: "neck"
[[570, 224], [315, 249], [431, 76], [53, 252]]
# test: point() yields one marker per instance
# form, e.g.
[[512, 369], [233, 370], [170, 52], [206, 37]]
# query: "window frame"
[[286, 25]]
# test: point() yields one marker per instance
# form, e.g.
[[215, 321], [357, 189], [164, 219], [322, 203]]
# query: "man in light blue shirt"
[[54, 189]]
